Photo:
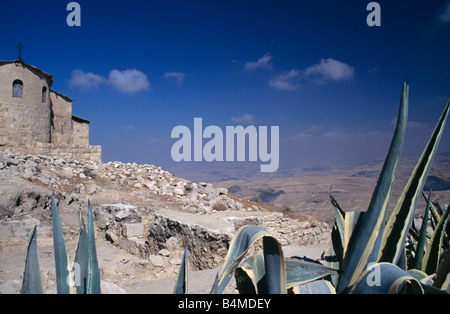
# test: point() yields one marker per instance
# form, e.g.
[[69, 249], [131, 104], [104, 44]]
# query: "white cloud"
[[246, 118], [129, 81], [262, 63], [85, 80], [330, 69], [289, 80], [176, 77], [326, 70], [444, 17]]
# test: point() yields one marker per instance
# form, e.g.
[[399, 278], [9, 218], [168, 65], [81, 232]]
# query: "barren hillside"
[[306, 189], [145, 216]]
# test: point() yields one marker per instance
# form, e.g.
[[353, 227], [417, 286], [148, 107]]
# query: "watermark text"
[[234, 143]]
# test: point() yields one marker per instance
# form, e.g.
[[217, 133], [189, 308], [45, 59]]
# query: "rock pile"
[[82, 178], [141, 209]]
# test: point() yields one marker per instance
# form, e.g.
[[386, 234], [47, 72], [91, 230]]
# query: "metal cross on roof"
[[20, 47]]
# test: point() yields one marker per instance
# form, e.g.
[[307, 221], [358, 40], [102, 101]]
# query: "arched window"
[[44, 94], [17, 89]]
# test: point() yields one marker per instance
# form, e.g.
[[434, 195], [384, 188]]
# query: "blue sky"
[[316, 69]]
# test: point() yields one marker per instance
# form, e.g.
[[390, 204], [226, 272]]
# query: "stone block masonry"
[[53, 150], [22, 124], [34, 119], [133, 230]]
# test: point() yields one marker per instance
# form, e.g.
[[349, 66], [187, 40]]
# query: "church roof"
[[62, 96], [81, 120], [34, 69]]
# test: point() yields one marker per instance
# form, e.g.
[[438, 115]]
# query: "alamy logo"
[[213, 150], [74, 17], [374, 17], [74, 276], [374, 275]]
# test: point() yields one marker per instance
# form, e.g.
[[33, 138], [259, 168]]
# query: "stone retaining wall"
[[80, 152]]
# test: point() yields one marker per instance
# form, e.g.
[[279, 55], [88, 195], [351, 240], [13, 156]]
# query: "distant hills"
[[305, 188]]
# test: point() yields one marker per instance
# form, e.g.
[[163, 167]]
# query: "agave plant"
[[82, 276], [361, 239], [424, 249], [364, 245]]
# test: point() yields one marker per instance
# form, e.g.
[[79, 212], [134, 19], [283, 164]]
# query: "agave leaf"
[[64, 277], [401, 219], [366, 244], [81, 257], [338, 234], [32, 276], [329, 256], [432, 254], [315, 287], [422, 237], [93, 278], [339, 211], [436, 209], [181, 285], [446, 243], [418, 274], [334, 255], [435, 214], [439, 207], [413, 231], [250, 276], [274, 266], [331, 260], [442, 280], [402, 261], [273, 258], [352, 223], [386, 278], [299, 272]]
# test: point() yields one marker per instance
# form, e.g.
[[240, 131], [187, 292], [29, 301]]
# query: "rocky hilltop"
[[144, 215]]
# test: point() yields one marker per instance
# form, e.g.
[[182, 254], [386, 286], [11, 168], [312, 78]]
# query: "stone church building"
[[34, 119]]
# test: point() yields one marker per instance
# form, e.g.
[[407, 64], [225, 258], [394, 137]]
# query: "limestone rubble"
[[141, 209]]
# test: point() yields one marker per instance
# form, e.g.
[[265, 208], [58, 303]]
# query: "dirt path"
[[200, 282]]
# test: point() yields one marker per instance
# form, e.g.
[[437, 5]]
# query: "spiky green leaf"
[[401, 219], [442, 280], [32, 276], [420, 249], [81, 257], [181, 285], [366, 244], [386, 278], [315, 287], [299, 272], [93, 278], [273, 259], [250, 276], [337, 247], [433, 252], [64, 277]]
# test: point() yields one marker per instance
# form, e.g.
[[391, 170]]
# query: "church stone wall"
[[21, 125], [62, 129], [40, 124], [27, 119], [81, 152], [80, 133]]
